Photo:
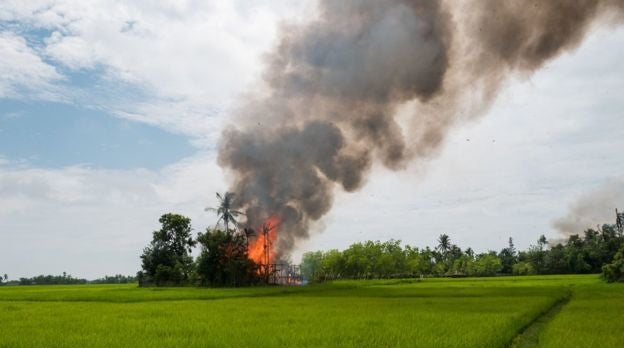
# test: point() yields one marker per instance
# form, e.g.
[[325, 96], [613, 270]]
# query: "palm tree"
[[225, 212], [444, 243]]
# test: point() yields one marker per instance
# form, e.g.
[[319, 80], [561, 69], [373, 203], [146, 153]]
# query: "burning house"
[[261, 251]]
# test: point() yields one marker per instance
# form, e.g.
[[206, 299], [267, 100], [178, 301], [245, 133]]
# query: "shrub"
[[614, 271], [523, 268]]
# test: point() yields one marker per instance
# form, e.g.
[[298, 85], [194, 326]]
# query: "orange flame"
[[262, 250]]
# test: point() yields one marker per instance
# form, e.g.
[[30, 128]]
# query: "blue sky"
[[78, 125], [56, 135], [104, 126]]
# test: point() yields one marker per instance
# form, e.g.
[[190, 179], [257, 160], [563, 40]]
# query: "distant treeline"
[[67, 279], [116, 279], [374, 259]]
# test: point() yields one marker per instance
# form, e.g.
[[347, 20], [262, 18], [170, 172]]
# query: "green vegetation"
[[593, 318], [67, 279], [374, 259], [224, 261], [51, 280], [224, 258], [167, 260], [436, 312], [116, 279], [614, 271], [225, 211]]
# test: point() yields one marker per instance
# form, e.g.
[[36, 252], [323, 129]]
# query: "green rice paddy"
[[477, 312]]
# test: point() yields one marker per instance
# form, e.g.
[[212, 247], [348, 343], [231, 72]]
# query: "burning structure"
[[262, 252], [336, 91]]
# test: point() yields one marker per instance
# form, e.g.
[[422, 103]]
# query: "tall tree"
[[311, 265], [167, 259], [444, 243], [225, 211], [508, 257], [542, 242], [223, 260]]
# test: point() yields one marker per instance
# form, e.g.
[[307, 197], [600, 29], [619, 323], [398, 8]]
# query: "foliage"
[[508, 258], [167, 260], [523, 268], [225, 211], [370, 260], [311, 265], [116, 279], [614, 271], [485, 265], [52, 280], [224, 261]]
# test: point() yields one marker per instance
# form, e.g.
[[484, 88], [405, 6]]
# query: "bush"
[[485, 265], [523, 268], [614, 271]]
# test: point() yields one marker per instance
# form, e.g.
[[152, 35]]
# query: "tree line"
[[67, 279], [223, 259], [590, 253]]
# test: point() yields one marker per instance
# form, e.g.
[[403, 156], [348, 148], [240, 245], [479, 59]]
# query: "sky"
[[110, 115]]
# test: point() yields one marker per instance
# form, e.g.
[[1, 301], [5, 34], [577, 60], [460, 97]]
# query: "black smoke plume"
[[326, 109]]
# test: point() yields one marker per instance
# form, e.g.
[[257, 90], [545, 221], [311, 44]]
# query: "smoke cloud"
[[592, 209], [326, 109]]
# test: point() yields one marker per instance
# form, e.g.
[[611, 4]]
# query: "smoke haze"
[[326, 109], [592, 209]]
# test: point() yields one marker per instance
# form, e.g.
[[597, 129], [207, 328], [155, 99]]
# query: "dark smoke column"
[[327, 107]]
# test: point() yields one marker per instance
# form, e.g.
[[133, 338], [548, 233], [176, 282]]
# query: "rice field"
[[477, 312]]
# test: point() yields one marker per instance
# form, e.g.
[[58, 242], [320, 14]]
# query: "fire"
[[261, 250]]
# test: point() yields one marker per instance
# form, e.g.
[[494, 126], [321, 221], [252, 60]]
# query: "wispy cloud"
[[183, 62], [23, 73]]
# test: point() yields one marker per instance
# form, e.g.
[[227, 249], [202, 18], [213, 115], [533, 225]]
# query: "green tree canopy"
[[614, 271], [167, 260], [224, 261], [225, 211]]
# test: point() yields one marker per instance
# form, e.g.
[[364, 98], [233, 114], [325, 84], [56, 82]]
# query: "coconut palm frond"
[[225, 212]]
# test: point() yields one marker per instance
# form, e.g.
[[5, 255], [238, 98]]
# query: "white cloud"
[[189, 58], [91, 222], [22, 71], [73, 51]]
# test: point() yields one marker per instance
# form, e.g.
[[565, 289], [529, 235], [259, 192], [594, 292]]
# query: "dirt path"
[[529, 335]]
